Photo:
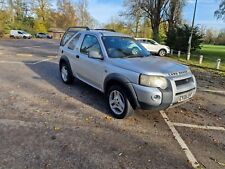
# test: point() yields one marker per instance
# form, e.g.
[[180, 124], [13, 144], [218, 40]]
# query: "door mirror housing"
[[95, 55]]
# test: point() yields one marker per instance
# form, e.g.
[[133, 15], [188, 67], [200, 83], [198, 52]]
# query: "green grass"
[[211, 53]]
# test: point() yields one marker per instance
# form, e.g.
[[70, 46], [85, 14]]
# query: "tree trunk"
[[136, 26], [155, 33], [155, 23]]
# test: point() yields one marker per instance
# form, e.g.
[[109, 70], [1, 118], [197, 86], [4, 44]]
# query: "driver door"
[[20, 34], [153, 46], [91, 70]]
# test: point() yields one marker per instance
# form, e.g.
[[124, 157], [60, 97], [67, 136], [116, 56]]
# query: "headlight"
[[153, 81]]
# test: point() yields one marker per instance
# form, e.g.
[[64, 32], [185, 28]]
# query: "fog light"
[[156, 97]]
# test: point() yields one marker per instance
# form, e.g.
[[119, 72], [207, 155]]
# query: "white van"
[[20, 34]]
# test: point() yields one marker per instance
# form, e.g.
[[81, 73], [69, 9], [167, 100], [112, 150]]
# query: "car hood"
[[152, 65]]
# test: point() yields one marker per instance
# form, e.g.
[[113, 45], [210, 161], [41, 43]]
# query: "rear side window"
[[90, 43], [66, 37], [73, 42]]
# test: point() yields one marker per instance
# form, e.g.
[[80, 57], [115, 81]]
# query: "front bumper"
[[146, 97], [168, 51], [157, 99]]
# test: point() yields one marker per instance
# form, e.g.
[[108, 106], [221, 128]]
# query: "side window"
[[66, 37], [148, 42], [73, 42], [90, 43], [151, 42]]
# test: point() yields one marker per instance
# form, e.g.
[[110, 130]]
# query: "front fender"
[[124, 82]]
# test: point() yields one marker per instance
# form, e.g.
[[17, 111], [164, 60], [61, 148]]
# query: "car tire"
[[24, 37], [162, 52], [66, 73], [118, 102]]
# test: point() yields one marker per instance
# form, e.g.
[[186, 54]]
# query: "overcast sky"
[[104, 10]]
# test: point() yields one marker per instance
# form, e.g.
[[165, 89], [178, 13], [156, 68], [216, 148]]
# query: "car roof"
[[99, 32], [104, 33]]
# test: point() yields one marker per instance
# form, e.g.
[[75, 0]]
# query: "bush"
[[178, 38], [220, 40]]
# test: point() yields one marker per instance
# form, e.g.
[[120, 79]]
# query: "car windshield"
[[123, 47]]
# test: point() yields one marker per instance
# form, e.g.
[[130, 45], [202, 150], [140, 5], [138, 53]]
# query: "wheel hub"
[[64, 73], [117, 102]]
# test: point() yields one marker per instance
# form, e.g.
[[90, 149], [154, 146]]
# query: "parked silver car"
[[119, 66], [43, 35]]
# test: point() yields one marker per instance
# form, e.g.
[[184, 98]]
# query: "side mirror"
[[95, 55]]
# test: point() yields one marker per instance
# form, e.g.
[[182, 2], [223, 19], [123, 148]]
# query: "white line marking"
[[213, 91], [24, 54], [15, 62], [41, 61], [199, 127], [31, 47], [181, 142], [54, 57]]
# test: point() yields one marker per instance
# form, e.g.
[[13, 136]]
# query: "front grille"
[[183, 81]]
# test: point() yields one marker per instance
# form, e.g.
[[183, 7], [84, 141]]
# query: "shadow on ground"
[[80, 91]]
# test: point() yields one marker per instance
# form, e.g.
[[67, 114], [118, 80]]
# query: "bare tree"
[[84, 17], [66, 14], [210, 36], [155, 10], [41, 9], [174, 12], [220, 13], [3, 4], [134, 14]]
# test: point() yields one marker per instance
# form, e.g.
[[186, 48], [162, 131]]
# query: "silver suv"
[[122, 69]]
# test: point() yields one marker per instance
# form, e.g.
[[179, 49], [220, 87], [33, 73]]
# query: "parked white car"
[[20, 34], [154, 47]]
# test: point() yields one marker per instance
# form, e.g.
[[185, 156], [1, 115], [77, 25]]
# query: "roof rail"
[[110, 30], [75, 28]]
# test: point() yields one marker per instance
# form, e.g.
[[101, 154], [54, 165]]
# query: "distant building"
[[56, 33]]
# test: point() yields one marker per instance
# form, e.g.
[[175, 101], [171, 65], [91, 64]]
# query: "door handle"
[[77, 56]]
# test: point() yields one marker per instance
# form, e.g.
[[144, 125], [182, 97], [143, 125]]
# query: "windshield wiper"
[[134, 56]]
